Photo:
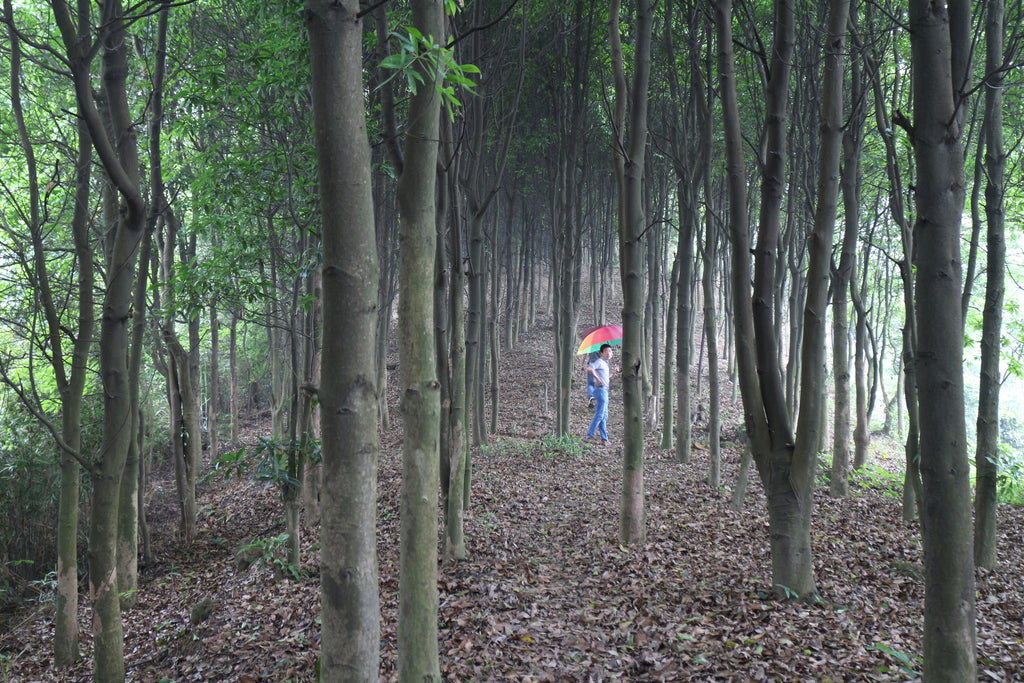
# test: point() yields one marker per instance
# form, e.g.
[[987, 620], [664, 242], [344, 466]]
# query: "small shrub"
[[1010, 479], [270, 553], [29, 497], [906, 662], [566, 445], [823, 471], [875, 478]]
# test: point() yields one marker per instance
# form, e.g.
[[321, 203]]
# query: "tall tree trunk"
[[812, 378], [69, 385], [629, 153], [688, 158], [494, 348], [301, 345], [120, 160], [842, 277], [350, 613], [987, 456], [213, 394], [454, 453], [667, 407], [130, 513], [940, 41], [704, 130], [65, 639], [785, 463], [766, 253], [684, 318], [475, 327], [182, 393], [861, 433], [907, 381], [711, 333], [754, 419], [418, 599], [233, 398]]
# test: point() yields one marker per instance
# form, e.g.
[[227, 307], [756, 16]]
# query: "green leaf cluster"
[[418, 55]]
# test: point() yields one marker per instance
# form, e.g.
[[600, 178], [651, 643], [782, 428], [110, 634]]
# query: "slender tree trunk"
[[182, 393], [66, 629], [742, 315], [861, 433], [785, 463], [812, 379], [120, 160], [213, 409], [739, 489], [130, 510], [714, 425], [350, 613], [684, 326], [629, 156], [667, 408], [987, 456], [233, 371], [940, 41], [475, 326], [418, 598], [711, 333], [841, 279], [71, 387], [492, 334], [454, 452]]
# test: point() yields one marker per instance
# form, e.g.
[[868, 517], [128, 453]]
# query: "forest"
[[291, 304]]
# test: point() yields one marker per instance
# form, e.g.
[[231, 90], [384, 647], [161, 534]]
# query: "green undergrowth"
[[547, 446]]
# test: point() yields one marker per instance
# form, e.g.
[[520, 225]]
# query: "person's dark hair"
[[604, 346]]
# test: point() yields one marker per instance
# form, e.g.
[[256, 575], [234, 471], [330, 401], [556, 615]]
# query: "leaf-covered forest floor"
[[548, 593]]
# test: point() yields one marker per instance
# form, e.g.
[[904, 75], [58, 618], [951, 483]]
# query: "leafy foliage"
[[28, 485], [272, 553], [416, 49], [267, 461]]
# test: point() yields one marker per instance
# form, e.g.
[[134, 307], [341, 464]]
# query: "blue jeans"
[[590, 386], [600, 422]]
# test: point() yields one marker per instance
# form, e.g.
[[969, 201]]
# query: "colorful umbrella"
[[596, 336]]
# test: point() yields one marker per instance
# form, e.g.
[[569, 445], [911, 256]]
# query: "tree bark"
[[939, 36], [812, 360], [120, 161], [842, 277], [629, 154], [70, 385], [350, 613], [711, 333], [987, 454], [418, 598], [182, 394], [667, 407], [684, 325], [213, 409], [452, 357]]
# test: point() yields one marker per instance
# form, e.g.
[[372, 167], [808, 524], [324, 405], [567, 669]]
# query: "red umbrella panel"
[[595, 337]]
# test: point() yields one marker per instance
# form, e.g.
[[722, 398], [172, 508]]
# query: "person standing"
[[590, 378], [601, 373]]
